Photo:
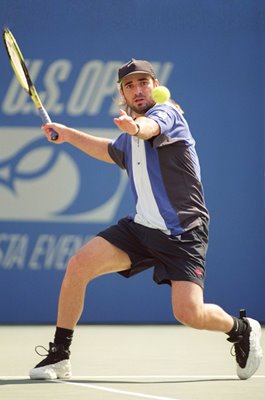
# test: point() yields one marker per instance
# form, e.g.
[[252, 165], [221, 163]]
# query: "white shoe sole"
[[60, 370], [255, 351]]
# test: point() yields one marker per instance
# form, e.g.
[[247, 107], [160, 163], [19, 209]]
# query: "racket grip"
[[46, 119]]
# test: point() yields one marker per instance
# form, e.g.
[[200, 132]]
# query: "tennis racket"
[[19, 66]]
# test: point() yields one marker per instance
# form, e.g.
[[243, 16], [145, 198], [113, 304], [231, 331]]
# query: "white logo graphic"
[[40, 181]]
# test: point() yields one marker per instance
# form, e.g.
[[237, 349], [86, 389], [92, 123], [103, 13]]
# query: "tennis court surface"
[[112, 362]]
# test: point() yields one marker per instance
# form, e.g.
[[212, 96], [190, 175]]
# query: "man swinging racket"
[[169, 229]]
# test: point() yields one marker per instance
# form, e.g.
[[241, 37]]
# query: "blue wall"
[[53, 198]]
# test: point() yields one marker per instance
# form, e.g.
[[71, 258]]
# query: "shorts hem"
[[167, 281]]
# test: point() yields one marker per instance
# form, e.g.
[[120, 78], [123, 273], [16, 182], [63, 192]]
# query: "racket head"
[[17, 60], [19, 66]]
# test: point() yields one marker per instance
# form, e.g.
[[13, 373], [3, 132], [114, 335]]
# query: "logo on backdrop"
[[71, 92], [43, 182]]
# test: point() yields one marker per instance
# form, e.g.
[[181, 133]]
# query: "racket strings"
[[16, 58]]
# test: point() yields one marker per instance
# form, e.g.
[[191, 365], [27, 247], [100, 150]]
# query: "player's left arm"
[[145, 128]]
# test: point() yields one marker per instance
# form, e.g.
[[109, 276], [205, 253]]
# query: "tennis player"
[[168, 230]]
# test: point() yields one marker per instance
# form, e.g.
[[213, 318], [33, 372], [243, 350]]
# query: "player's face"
[[137, 92]]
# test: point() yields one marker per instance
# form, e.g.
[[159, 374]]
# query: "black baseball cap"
[[135, 66]]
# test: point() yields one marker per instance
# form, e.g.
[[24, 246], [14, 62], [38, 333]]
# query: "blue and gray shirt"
[[164, 173]]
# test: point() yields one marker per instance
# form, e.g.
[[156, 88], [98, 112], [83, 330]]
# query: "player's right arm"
[[95, 147]]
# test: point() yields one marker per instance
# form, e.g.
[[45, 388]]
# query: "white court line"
[[142, 395], [117, 391], [126, 392]]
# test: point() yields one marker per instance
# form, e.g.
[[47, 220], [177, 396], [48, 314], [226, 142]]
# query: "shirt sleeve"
[[173, 126], [116, 150]]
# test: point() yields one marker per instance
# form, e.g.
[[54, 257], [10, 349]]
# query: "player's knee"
[[190, 316], [78, 269]]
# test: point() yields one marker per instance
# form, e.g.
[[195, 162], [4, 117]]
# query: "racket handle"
[[46, 119]]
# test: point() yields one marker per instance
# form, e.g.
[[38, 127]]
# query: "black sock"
[[239, 328], [63, 336]]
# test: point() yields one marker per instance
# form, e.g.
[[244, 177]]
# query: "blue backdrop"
[[210, 53]]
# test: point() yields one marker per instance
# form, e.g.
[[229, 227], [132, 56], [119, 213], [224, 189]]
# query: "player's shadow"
[[16, 381]]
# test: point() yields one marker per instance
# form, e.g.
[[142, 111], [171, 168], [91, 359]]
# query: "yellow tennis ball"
[[160, 94]]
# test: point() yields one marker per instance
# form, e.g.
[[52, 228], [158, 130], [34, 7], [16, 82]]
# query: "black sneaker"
[[55, 365], [247, 348]]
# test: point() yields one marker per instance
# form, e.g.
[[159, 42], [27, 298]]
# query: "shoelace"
[[44, 348]]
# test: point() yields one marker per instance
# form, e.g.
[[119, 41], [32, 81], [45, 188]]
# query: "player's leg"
[[96, 258], [190, 309]]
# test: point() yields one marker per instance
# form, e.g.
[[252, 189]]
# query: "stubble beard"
[[142, 109]]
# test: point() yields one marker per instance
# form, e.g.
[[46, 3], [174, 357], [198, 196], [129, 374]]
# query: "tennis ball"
[[160, 94]]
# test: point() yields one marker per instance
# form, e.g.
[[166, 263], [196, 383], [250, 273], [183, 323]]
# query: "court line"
[[117, 391], [142, 395], [126, 392]]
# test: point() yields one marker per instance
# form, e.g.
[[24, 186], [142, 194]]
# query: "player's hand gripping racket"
[[22, 74]]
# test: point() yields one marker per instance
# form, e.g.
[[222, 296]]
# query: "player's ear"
[[156, 82]]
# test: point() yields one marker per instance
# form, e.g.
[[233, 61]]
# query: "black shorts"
[[174, 258]]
